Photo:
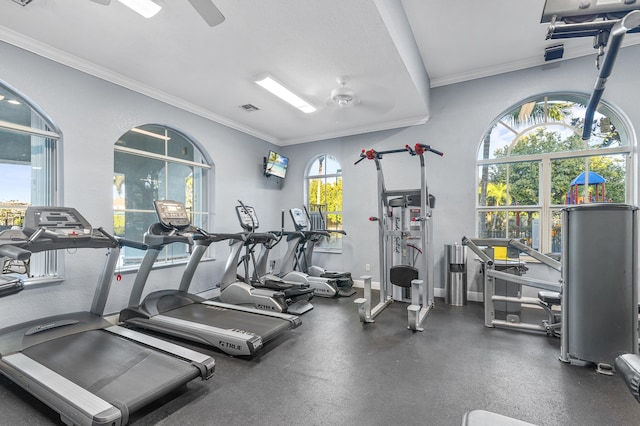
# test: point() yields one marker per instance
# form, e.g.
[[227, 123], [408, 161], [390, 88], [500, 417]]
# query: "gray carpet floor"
[[333, 370]]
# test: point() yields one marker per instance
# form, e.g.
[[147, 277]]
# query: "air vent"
[[22, 2], [249, 107]]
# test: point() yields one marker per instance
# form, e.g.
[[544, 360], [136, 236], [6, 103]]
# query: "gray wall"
[[93, 113]]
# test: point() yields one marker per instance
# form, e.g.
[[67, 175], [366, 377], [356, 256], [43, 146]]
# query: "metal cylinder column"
[[599, 308]]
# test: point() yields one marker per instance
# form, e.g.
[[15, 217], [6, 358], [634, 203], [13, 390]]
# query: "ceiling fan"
[[345, 100], [205, 8]]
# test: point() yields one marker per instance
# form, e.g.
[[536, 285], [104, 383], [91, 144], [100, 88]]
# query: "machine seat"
[[402, 275], [550, 297]]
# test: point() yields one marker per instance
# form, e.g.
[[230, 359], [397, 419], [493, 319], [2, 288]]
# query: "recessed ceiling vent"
[[249, 107]]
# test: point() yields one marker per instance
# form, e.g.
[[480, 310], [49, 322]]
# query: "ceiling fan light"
[[146, 8], [276, 88], [343, 97]]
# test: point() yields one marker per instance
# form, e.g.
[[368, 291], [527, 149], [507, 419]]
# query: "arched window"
[[532, 162], [28, 169], [154, 162], [323, 183]]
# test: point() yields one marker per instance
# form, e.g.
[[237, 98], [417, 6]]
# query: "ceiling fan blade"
[[208, 11], [102, 2]]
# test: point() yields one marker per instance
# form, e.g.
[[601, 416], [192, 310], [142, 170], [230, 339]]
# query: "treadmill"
[[81, 366], [235, 330]]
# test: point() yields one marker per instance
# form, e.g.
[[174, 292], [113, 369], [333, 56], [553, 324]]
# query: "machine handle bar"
[[14, 252], [419, 149]]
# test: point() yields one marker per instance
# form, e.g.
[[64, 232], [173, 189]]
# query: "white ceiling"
[[390, 52]]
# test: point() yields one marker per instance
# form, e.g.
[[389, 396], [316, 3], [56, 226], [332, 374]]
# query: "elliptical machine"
[[304, 254], [322, 286], [292, 298]]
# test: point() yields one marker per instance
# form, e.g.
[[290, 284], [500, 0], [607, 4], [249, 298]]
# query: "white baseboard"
[[472, 296]]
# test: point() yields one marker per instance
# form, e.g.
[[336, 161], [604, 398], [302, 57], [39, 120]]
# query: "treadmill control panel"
[[65, 222], [172, 214], [247, 217], [299, 218]]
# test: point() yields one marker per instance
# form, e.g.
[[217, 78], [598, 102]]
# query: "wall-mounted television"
[[276, 165]]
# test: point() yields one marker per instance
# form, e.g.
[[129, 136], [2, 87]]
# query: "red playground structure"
[[594, 181]]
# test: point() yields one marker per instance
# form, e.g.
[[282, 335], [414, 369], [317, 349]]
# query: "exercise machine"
[[303, 260], [598, 294], [504, 309], [235, 330], [286, 276], [418, 279], [89, 371], [281, 297]]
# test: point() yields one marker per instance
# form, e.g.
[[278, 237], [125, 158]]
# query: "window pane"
[[152, 140], [180, 184], [180, 147], [15, 181], [556, 231], [332, 166], [563, 172], [524, 225], [612, 169], [316, 193], [14, 110], [318, 167], [143, 179], [492, 190], [492, 224], [523, 183]]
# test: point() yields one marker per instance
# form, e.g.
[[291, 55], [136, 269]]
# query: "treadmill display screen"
[[63, 221], [172, 214]]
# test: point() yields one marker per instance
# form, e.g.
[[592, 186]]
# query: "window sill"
[[163, 265], [328, 250]]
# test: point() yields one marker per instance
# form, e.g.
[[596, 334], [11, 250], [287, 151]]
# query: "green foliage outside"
[[327, 193], [516, 185], [524, 176]]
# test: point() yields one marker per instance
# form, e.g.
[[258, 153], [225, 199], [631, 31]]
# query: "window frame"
[[545, 207], [205, 190], [46, 267], [308, 178]]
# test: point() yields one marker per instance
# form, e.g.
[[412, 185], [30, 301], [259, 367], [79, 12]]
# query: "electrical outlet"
[[367, 267]]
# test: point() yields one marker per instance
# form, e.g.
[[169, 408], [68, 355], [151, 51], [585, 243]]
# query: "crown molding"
[[414, 121], [514, 66], [49, 52]]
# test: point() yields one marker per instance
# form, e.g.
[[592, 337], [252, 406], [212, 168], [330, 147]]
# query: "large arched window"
[[532, 162], [154, 162], [28, 169], [323, 183]]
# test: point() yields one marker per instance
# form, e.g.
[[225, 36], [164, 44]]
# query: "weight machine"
[[511, 299], [418, 279]]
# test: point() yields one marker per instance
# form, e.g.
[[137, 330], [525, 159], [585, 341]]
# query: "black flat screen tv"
[[276, 165]]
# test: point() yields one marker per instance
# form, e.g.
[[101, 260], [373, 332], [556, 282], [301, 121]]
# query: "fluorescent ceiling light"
[[146, 8], [285, 94]]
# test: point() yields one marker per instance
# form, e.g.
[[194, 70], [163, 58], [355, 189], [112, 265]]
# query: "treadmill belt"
[[260, 325], [117, 370]]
